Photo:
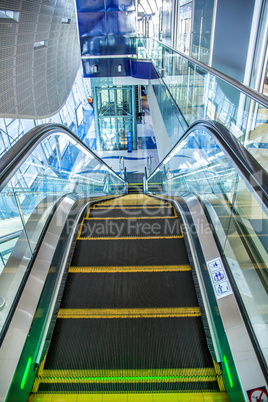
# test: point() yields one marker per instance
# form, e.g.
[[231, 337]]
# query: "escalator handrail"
[[253, 94], [253, 172], [16, 155]]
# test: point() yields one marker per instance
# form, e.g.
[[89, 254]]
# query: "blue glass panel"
[[90, 5], [91, 24], [121, 22], [121, 45], [120, 5], [125, 67], [108, 45], [141, 69], [93, 45], [102, 65]]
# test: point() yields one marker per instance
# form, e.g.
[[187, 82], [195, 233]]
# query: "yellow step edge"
[[110, 380], [151, 268], [130, 238], [219, 377], [174, 372], [205, 396], [126, 376], [135, 207], [110, 313], [130, 217]]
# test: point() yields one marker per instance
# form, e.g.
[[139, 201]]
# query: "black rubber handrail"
[[254, 95], [19, 152], [250, 168]]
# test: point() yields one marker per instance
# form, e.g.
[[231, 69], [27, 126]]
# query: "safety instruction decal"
[[219, 279], [258, 394]]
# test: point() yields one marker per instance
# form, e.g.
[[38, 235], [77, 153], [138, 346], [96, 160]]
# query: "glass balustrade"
[[236, 212], [201, 94], [59, 165]]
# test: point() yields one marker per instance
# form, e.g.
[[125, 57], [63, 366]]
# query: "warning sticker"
[[219, 278], [258, 395]]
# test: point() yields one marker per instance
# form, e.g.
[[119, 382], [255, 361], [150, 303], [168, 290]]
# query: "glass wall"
[[199, 94], [59, 165], [237, 214]]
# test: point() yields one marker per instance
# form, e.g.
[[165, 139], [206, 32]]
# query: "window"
[[9, 16], [40, 44]]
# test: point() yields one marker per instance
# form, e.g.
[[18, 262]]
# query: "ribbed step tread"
[[130, 227], [130, 212], [155, 343], [138, 252], [131, 290]]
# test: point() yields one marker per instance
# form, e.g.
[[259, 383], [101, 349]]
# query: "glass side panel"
[[59, 165], [200, 94], [198, 165]]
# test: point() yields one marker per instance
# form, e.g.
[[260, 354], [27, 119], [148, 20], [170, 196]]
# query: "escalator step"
[[131, 212], [130, 252], [129, 290], [130, 227], [102, 387], [154, 343]]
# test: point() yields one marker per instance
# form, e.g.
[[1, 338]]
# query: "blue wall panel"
[[120, 5], [121, 22], [110, 18], [90, 24], [90, 5]]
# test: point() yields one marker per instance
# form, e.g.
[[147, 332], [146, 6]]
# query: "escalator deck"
[[129, 320]]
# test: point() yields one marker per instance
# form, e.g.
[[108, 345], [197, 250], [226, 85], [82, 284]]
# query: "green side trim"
[[228, 372], [24, 378]]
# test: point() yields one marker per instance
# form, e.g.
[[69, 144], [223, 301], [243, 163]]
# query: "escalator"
[[157, 296], [129, 319]]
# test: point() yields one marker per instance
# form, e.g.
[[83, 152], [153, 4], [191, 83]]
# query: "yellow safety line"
[[165, 372], [118, 396], [151, 268], [125, 376], [130, 313], [80, 229], [87, 380], [131, 217], [131, 238], [39, 375], [136, 207], [219, 377]]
